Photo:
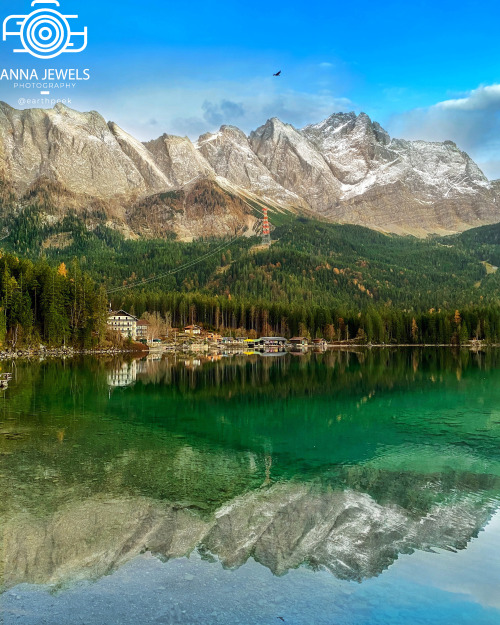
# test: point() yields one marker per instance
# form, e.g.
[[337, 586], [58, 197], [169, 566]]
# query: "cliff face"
[[230, 154], [345, 169], [77, 150], [179, 160]]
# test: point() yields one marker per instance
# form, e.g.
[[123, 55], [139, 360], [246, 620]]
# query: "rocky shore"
[[60, 352]]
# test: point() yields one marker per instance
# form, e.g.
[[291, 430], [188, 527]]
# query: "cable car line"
[[187, 265]]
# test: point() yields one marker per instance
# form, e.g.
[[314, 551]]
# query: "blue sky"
[[425, 69]]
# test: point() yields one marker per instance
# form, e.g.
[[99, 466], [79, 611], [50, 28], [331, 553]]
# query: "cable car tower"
[[266, 231]]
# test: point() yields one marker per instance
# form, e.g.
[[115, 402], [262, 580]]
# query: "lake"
[[336, 488]]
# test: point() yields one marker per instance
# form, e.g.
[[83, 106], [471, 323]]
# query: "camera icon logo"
[[45, 33]]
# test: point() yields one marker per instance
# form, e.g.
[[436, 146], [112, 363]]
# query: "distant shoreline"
[[24, 354]]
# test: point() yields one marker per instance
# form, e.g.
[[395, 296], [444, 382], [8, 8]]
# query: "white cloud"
[[481, 99]]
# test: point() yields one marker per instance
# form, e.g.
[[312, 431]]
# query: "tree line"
[[60, 305], [55, 306], [247, 316]]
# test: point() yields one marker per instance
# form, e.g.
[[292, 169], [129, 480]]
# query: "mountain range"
[[345, 169]]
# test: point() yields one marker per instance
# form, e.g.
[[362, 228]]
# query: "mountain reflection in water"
[[338, 460]]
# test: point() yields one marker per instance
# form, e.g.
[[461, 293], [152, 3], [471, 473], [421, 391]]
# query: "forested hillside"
[[317, 278]]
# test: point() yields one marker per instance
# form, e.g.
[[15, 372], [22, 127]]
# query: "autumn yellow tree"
[[62, 271]]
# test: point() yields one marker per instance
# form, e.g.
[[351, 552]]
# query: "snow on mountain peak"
[[345, 168]]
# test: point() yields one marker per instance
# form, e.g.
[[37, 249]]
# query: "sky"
[[424, 70]]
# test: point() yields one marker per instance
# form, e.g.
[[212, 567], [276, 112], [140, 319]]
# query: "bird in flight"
[[277, 73]]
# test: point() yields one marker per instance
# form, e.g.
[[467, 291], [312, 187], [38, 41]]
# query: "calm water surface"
[[340, 488]]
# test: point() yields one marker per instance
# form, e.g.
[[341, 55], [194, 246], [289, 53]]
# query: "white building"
[[124, 323]]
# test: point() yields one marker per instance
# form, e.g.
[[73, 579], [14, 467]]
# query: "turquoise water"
[[330, 488]]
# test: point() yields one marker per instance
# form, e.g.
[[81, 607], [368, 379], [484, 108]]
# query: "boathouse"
[[299, 340]]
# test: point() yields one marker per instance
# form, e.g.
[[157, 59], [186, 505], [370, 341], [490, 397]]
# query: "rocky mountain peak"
[[273, 129], [350, 144], [346, 169], [231, 156], [75, 149], [178, 159], [381, 134], [226, 134], [295, 163], [345, 124]]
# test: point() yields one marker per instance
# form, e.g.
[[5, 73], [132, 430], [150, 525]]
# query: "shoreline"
[[60, 352]]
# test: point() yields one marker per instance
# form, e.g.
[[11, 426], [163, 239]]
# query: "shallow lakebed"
[[327, 488]]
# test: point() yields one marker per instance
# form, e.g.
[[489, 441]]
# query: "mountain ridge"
[[344, 169]]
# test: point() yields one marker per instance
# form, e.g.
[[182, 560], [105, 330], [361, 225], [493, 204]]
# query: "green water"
[[342, 467]]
